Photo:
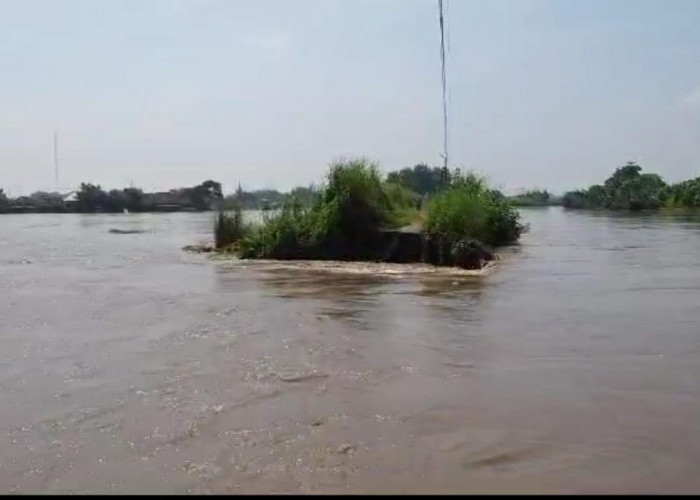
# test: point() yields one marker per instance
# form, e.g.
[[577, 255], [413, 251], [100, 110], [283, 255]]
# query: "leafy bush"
[[469, 210], [400, 196], [348, 204], [343, 221], [684, 194]]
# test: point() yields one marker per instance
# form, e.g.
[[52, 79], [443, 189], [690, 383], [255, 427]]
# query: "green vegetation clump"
[[342, 223], [468, 209], [684, 194], [626, 189], [348, 218], [405, 205], [534, 198]]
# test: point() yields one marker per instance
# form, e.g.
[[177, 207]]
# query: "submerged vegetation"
[[359, 215]]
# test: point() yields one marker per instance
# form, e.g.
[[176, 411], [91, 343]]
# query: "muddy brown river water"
[[127, 365]]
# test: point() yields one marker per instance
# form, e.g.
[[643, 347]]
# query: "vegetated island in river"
[[357, 215], [630, 189]]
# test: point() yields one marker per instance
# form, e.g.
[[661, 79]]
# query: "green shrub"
[[285, 235], [684, 194], [343, 222], [404, 204], [468, 209], [401, 197]]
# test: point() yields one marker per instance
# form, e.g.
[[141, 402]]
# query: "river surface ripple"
[[128, 365]]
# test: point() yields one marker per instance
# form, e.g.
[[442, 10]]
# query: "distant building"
[[71, 200], [169, 201]]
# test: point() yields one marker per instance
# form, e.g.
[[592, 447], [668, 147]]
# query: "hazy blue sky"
[[169, 93]]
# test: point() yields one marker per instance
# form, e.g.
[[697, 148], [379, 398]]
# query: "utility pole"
[[55, 159], [444, 91]]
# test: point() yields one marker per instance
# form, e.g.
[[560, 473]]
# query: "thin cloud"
[[691, 100]]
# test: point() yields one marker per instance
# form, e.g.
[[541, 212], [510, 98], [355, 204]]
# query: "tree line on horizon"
[[630, 189], [418, 181], [415, 182], [626, 189], [90, 198]]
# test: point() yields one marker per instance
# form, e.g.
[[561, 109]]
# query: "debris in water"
[[199, 248], [345, 448], [303, 377], [126, 231]]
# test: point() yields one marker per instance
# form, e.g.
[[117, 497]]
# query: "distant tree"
[[533, 197], [134, 199], [305, 195], [576, 199], [421, 179], [622, 175], [47, 202], [626, 189], [91, 198], [4, 201], [116, 201], [212, 189], [205, 195], [255, 200], [684, 194]]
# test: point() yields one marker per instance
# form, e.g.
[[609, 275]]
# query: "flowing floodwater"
[[127, 365]]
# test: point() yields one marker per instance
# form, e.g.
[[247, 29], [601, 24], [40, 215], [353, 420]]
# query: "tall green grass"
[[229, 228], [344, 221], [405, 205]]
